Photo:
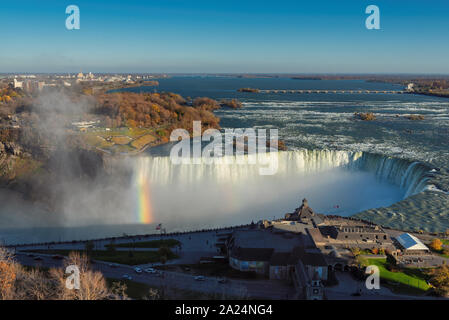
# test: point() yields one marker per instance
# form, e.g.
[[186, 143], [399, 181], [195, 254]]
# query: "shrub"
[[234, 103], [415, 117], [368, 116]]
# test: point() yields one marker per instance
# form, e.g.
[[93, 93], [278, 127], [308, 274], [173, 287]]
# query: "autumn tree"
[[436, 244], [440, 279], [154, 109], [207, 103], [92, 283], [7, 275], [34, 285], [19, 283]]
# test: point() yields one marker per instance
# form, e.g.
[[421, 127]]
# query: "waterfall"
[[409, 176]]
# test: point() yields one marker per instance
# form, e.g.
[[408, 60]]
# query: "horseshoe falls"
[[232, 191]]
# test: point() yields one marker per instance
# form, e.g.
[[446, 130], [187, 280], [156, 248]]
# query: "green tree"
[[89, 247], [111, 247]]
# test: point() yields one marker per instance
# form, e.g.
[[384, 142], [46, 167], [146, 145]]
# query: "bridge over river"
[[334, 91]]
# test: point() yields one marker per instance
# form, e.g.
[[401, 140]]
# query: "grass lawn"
[[122, 148], [142, 141], [406, 280], [121, 257], [169, 243], [121, 139], [97, 142]]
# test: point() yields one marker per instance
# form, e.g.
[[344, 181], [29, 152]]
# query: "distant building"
[[409, 244], [83, 125], [410, 87], [18, 84], [40, 85]]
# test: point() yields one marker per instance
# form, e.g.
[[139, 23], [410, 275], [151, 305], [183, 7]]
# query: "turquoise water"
[[326, 120]]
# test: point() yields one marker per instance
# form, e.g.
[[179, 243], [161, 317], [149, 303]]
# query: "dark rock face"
[[13, 149], [10, 148], [76, 163]]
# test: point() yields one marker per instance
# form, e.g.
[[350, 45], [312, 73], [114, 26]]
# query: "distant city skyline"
[[225, 37]]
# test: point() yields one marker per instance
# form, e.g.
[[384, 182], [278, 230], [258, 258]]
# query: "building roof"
[[290, 226], [280, 259], [316, 236], [280, 241], [410, 242], [308, 257], [252, 254]]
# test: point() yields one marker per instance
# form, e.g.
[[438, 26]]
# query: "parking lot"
[[421, 261]]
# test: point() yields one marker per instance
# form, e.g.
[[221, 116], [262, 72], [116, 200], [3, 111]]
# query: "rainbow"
[[144, 209]]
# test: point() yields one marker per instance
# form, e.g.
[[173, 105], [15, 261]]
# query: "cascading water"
[[232, 191], [409, 176]]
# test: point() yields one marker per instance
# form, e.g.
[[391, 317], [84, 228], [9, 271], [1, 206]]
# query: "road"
[[262, 289], [193, 245]]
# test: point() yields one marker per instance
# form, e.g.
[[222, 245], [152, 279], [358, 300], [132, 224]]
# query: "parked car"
[[150, 270], [199, 278], [137, 270], [222, 280], [38, 259], [127, 277]]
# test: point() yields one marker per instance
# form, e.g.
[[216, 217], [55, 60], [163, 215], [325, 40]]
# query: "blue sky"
[[225, 36]]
